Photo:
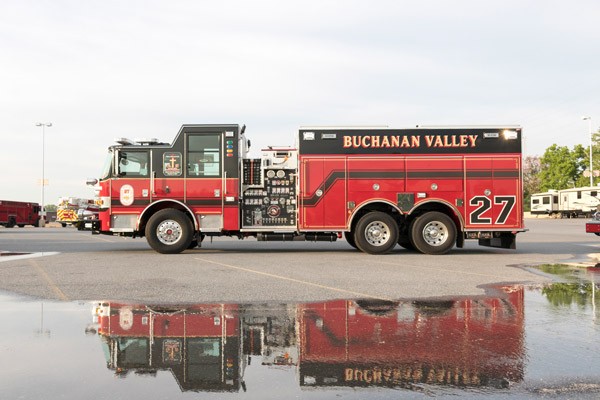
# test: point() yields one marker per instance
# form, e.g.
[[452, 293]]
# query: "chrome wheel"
[[435, 233], [377, 233], [169, 232]]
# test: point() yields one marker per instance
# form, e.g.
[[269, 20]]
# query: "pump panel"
[[269, 191]]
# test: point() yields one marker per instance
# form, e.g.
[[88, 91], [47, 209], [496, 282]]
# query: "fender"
[[167, 201], [439, 201], [368, 202]]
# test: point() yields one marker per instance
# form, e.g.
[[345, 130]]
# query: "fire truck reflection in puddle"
[[471, 342]]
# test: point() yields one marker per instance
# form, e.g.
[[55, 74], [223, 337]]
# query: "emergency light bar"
[[125, 141], [146, 141]]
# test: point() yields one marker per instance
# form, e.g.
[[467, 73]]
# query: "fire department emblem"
[[172, 164], [126, 195], [126, 318], [171, 351]]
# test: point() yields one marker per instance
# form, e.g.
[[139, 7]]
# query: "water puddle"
[[11, 253], [516, 342]]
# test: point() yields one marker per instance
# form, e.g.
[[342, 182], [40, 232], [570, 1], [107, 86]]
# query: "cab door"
[[206, 181]]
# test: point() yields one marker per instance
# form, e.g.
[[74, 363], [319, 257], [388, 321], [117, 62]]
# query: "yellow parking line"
[[285, 278], [59, 293]]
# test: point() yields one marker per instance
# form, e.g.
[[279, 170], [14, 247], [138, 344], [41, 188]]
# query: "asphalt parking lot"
[[66, 264]]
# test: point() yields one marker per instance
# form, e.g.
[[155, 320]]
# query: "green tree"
[[565, 294], [562, 168], [585, 181], [531, 179]]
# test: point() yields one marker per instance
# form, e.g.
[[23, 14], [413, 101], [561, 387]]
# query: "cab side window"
[[133, 163], [204, 155]]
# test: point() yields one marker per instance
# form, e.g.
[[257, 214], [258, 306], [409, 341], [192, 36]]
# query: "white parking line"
[[25, 256]]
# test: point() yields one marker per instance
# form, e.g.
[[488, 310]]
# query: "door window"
[[204, 155], [133, 163]]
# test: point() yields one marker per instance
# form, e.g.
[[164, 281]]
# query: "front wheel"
[[349, 236], [169, 231], [376, 233], [433, 233]]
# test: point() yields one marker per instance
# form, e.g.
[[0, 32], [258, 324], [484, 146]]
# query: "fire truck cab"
[[426, 189]]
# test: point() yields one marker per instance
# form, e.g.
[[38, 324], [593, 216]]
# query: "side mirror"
[[91, 181]]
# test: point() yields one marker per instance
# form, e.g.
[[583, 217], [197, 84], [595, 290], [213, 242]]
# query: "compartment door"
[[493, 193], [323, 194]]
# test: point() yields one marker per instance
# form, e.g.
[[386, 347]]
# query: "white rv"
[[544, 203], [569, 203], [579, 201]]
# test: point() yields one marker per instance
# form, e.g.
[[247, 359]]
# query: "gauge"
[[280, 173], [282, 201], [270, 173], [266, 200], [273, 211]]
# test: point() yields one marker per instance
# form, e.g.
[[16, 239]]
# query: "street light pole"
[[589, 120], [43, 210]]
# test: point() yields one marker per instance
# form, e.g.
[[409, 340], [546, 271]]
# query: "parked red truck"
[[425, 188], [19, 213]]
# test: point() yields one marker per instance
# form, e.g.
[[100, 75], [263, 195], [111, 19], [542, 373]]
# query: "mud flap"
[[460, 241], [506, 240]]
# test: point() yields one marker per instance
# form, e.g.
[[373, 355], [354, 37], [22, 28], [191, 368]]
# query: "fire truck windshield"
[[106, 169]]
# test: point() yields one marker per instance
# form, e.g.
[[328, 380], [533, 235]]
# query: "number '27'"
[[484, 203]]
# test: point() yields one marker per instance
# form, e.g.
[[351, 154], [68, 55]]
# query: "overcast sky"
[[104, 69]]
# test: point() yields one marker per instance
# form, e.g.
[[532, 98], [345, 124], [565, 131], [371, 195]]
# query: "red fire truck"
[[469, 342], [426, 188], [465, 343], [19, 213], [199, 343]]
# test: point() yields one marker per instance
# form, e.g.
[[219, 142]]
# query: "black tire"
[[169, 231], [63, 224], [10, 223], [404, 241], [376, 233], [349, 236], [378, 307], [21, 225], [433, 233]]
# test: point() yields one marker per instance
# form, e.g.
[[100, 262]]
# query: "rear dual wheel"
[[433, 233], [404, 241], [376, 233]]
